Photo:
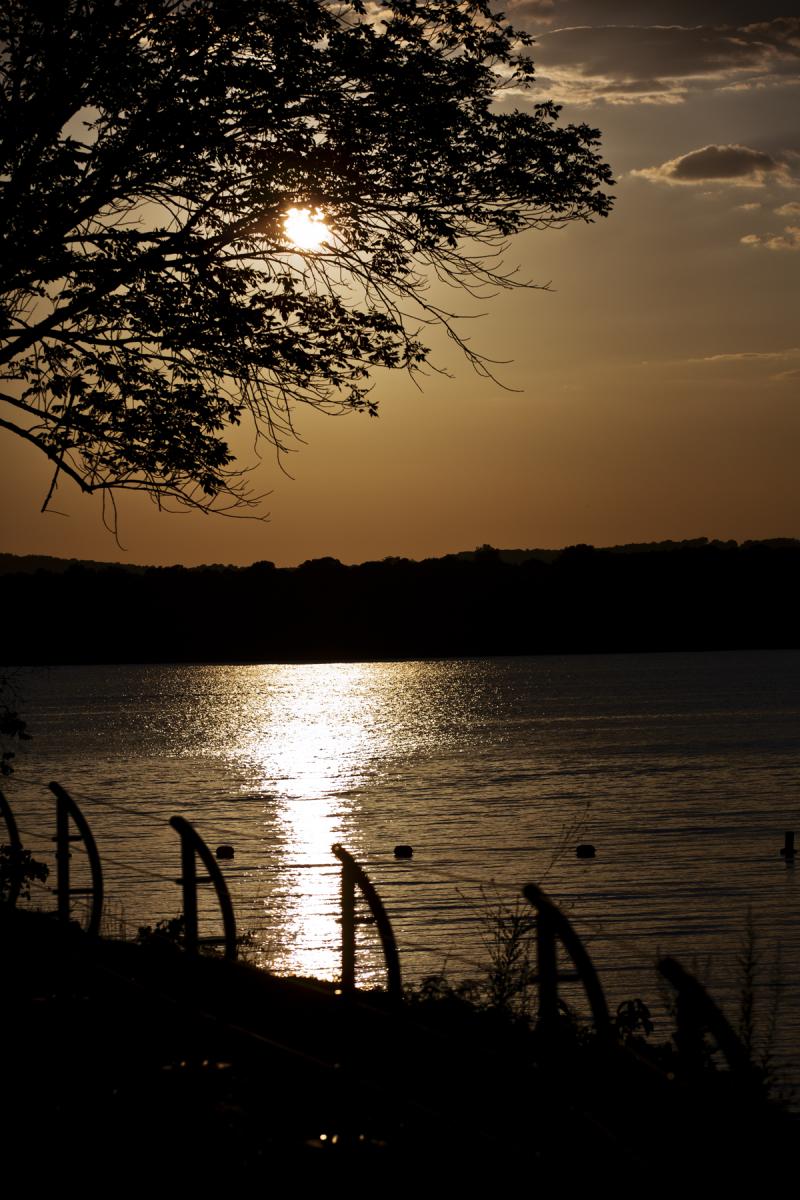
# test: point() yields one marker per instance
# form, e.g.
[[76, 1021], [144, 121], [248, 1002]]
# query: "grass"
[[456, 1081]]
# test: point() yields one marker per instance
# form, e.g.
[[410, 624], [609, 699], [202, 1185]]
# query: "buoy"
[[403, 852], [585, 850], [787, 850], [225, 852]]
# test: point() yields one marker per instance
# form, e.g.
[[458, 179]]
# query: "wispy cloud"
[[661, 64], [770, 366], [738, 368], [745, 356]]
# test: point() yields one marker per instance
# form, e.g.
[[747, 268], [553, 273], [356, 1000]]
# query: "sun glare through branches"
[[306, 230]]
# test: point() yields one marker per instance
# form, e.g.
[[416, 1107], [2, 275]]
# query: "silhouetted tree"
[[150, 296]]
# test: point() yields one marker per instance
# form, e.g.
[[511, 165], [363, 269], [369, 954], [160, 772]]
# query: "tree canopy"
[[151, 296]]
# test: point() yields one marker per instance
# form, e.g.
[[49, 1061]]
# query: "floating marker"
[[585, 850], [403, 852], [225, 852]]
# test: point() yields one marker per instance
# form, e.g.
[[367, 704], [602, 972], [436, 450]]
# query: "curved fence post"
[[553, 926], [697, 1012], [67, 810], [192, 848], [353, 876], [15, 880]]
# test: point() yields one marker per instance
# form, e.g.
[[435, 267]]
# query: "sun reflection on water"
[[314, 734]]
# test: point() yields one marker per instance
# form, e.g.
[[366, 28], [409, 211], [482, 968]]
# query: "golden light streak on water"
[[309, 760]]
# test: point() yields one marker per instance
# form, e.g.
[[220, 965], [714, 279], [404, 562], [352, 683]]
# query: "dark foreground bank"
[[139, 1065]]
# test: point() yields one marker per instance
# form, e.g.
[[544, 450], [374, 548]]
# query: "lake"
[[683, 770]]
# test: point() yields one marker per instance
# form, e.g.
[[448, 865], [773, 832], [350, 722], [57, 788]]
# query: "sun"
[[306, 230]]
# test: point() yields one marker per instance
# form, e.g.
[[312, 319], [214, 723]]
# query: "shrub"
[[18, 869]]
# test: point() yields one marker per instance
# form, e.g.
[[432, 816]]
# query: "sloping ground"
[[129, 1066]]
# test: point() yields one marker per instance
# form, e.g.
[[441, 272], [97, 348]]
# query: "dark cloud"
[[531, 12], [722, 162], [660, 12], [718, 164], [624, 52], [661, 63]]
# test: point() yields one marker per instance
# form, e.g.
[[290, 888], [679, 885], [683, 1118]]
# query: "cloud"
[[740, 368], [733, 164], [746, 356], [530, 12], [788, 240], [792, 209], [772, 366], [661, 64]]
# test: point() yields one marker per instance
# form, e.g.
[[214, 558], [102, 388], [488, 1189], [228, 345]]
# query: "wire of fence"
[[424, 879]]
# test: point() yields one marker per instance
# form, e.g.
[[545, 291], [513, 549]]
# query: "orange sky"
[[658, 381]]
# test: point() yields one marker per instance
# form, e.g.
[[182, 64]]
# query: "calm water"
[[683, 770]]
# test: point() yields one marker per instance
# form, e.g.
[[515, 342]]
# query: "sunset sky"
[[657, 383]]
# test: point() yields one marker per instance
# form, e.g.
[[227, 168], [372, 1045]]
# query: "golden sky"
[[658, 381]]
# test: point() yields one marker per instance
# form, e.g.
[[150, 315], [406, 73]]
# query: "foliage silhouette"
[[13, 727], [18, 870], [150, 153], [171, 931]]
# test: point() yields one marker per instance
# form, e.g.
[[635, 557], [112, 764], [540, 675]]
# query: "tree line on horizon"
[[12, 564], [696, 595]]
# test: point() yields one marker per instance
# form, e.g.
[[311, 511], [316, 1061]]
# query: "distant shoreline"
[[12, 564], [670, 597]]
